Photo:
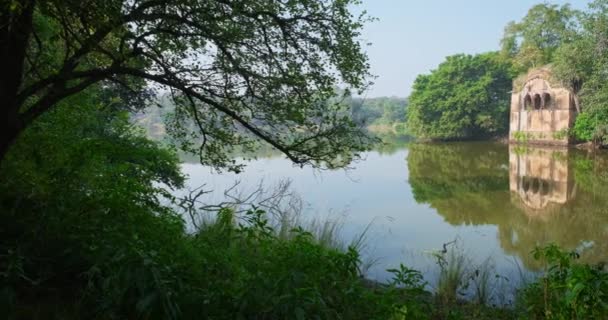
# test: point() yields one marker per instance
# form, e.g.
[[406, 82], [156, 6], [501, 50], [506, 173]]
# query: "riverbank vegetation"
[[456, 102]]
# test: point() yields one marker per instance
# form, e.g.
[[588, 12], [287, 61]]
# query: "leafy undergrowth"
[[226, 271], [241, 269], [567, 290]]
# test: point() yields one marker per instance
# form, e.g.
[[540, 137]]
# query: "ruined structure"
[[542, 111], [540, 180]]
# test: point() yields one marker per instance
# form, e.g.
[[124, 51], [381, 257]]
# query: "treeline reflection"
[[533, 195]]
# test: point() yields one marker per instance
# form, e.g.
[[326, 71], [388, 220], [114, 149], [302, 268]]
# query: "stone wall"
[[541, 113]]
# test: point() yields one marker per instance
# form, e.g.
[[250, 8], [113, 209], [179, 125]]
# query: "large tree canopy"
[[239, 70], [533, 41], [582, 65], [465, 97]]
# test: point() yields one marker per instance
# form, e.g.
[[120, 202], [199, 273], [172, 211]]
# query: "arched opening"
[[545, 187], [535, 186], [547, 103], [527, 102], [537, 102]]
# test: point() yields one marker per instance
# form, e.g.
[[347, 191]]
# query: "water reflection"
[[534, 196], [540, 180], [500, 201]]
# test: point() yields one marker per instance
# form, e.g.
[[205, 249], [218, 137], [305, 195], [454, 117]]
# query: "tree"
[[465, 97], [581, 65], [381, 110], [79, 189], [533, 41], [240, 70]]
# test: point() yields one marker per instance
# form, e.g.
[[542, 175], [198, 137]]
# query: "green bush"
[[567, 290], [584, 127], [591, 126], [251, 273]]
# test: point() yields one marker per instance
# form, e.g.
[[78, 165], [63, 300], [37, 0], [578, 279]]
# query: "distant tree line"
[[386, 112], [382, 110]]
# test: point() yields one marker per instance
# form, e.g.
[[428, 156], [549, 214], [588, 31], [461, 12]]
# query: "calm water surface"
[[497, 202]]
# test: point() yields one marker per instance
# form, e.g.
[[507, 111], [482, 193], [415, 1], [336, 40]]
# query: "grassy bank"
[[239, 267]]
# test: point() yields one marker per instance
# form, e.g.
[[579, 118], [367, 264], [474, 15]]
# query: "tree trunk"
[[10, 128], [15, 29]]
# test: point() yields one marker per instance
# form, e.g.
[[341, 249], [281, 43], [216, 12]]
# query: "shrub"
[[567, 290], [591, 126], [251, 273]]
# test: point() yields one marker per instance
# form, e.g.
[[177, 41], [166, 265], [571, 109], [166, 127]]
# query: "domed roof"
[[544, 73]]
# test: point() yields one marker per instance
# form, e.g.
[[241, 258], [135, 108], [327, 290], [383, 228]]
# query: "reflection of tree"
[[262, 151], [391, 143], [469, 184], [442, 171]]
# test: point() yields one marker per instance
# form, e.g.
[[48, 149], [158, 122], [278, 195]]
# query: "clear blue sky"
[[414, 36]]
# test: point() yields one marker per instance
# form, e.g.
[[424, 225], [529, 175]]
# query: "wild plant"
[[567, 289], [452, 280], [409, 285]]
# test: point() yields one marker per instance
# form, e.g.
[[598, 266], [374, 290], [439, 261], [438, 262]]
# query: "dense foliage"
[[76, 190], [241, 71], [466, 97], [581, 64], [568, 289], [378, 111], [534, 40]]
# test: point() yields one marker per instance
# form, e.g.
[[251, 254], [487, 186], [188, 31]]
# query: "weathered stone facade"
[[541, 112], [540, 180]]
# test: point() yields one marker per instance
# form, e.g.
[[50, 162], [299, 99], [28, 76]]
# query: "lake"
[[497, 202]]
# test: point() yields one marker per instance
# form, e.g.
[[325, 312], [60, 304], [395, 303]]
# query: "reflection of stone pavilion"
[[540, 180], [541, 110]]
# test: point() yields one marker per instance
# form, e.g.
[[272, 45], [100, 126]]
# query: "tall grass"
[[482, 280], [279, 275], [284, 209], [459, 278], [452, 277]]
